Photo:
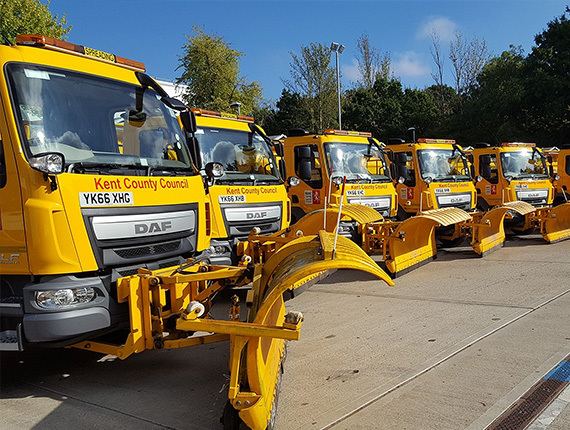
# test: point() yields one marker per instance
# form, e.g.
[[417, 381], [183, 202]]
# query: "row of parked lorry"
[[124, 215]]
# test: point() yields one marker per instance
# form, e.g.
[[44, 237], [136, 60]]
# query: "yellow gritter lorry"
[[104, 219], [519, 172], [352, 168], [248, 190], [98, 183], [438, 175]]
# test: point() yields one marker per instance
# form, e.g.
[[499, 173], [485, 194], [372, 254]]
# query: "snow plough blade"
[[256, 364], [488, 229], [418, 245], [170, 308], [404, 245], [555, 223]]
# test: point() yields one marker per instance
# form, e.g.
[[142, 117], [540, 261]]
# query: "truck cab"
[[322, 161], [96, 181], [436, 175], [512, 171], [247, 190]]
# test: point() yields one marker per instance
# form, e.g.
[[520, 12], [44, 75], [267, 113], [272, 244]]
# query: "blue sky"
[[266, 31]]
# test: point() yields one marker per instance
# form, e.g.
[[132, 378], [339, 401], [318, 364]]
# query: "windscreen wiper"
[[169, 170]]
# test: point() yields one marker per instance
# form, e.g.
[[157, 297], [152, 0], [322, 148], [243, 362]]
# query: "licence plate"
[[232, 198], [106, 199]]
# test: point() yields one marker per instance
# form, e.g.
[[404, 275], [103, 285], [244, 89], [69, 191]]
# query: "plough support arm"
[[164, 310]]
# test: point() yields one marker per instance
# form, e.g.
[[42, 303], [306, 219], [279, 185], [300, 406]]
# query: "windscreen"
[[526, 163], [442, 165], [95, 122], [356, 161], [244, 155]]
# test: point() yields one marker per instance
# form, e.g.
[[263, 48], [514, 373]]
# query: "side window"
[[316, 180], [488, 168], [567, 164], [2, 165], [411, 177]]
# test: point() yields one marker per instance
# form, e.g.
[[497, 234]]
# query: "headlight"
[[217, 250], [214, 170], [65, 297], [48, 162]]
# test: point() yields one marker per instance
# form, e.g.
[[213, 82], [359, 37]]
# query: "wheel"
[[402, 214], [482, 205], [230, 418]]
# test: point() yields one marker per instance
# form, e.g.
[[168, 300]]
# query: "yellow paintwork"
[[563, 170], [309, 199], [488, 231], [503, 192], [262, 337], [253, 194], [556, 224], [45, 228], [422, 197], [403, 244]]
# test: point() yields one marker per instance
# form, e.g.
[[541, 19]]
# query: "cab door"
[[309, 194], [13, 256]]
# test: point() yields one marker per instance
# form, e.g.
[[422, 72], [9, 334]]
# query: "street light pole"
[[238, 105], [338, 48]]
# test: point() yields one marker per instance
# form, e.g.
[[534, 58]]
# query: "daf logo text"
[[256, 215], [153, 227]]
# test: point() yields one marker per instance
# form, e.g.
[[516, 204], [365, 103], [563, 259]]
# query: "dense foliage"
[[513, 98], [29, 17], [210, 69]]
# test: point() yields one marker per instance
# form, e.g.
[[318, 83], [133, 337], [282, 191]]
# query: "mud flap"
[[555, 226], [488, 227], [255, 361]]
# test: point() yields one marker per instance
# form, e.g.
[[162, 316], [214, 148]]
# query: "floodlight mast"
[[338, 49], [238, 105]]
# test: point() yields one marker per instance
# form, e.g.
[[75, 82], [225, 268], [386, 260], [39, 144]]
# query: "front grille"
[[454, 200], [142, 251], [128, 272], [168, 264]]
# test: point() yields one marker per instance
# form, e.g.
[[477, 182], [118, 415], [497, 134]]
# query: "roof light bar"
[[514, 144], [423, 140], [348, 133], [226, 115], [40, 41]]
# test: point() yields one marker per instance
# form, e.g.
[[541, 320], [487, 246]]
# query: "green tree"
[[292, 112], [419, 110], [210, 69], [314, 79], [548, 83], [377, 109], [30, 17], [371, 64], [496, 109]]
